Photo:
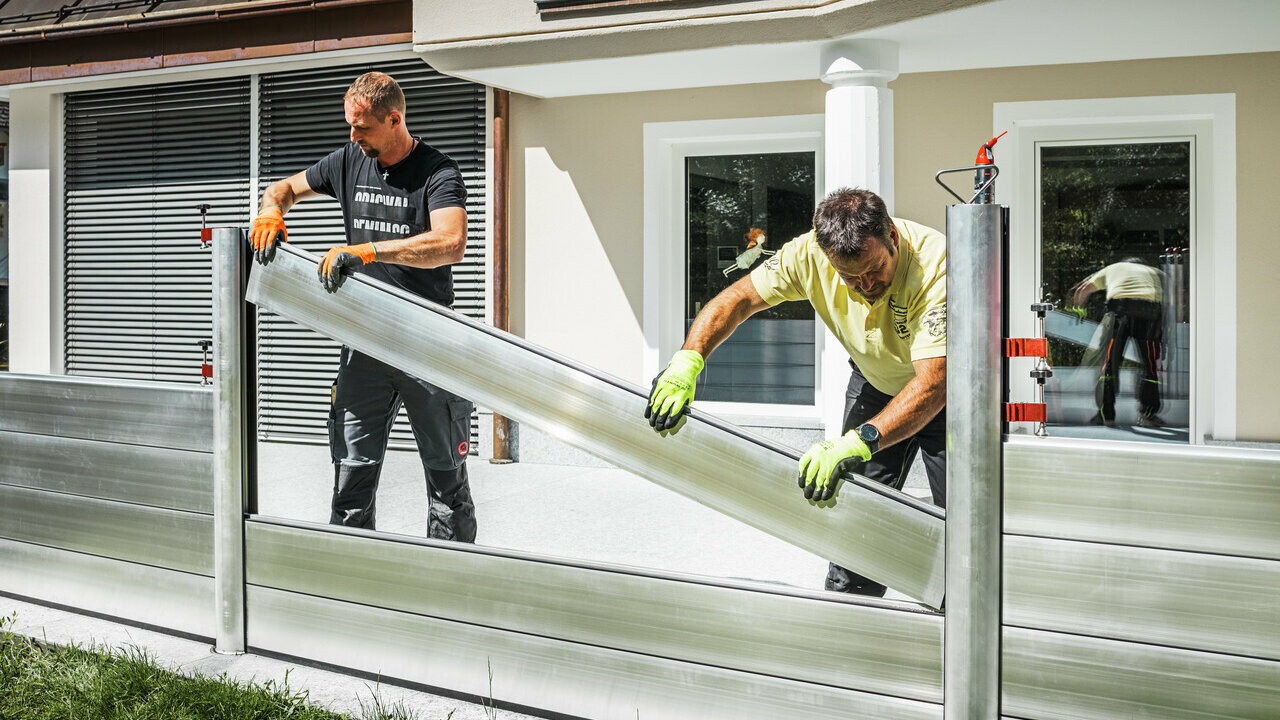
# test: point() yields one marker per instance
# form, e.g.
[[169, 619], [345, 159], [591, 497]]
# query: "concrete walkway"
[[600, 514], [330, 690]]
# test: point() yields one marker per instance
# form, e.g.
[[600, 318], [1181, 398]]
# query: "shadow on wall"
[[586, 192], [577, 193]]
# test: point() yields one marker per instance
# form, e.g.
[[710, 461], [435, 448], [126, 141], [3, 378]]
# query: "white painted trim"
[[666, 145], [1210, 121], [202, 71]]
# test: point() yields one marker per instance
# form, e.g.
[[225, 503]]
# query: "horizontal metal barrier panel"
[[1054, 676], [870, 646], [878, 532], [165, 538], [1164, 597], [1208, 499], [554, 675], [139, 413], [162, 477], [137, 593]]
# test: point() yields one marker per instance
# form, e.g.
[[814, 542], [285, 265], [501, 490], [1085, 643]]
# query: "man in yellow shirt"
[[1134, 294], [880, 285]]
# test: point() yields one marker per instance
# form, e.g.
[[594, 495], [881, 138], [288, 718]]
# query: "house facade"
[[628, 118], [657, 151], [126, 123]]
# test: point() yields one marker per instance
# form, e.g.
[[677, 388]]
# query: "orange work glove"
[[266, 231], [331, 268]]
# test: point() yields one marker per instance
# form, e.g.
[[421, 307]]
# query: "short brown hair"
[[381, 91], [849, 218]]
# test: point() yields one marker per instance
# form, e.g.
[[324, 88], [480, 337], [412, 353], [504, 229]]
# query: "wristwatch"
[[870, 435]]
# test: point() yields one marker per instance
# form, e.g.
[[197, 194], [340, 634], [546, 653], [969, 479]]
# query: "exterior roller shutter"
[[300, 122], [138, 162]]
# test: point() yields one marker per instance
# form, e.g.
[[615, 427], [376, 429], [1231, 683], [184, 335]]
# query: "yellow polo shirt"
[[909, 322], [1128, 280]]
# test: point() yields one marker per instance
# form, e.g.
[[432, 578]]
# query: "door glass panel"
[[1115, 234], [741, 209]]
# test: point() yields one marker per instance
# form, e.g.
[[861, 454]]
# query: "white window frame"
[[666, 146], [1208, 122]]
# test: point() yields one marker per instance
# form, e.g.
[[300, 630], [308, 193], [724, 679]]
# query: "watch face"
[[869, 433]]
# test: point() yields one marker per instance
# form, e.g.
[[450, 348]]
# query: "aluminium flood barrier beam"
[[886, 535]]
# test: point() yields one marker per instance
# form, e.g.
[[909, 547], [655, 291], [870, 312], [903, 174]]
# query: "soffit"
[[1003, 33]]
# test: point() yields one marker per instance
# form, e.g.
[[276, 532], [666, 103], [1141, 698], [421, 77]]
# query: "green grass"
[[48, 682]]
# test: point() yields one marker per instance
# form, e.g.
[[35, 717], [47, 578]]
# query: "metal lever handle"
[[995, 173]]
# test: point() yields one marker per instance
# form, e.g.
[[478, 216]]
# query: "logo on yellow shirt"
[[899, 319], [934, 322]]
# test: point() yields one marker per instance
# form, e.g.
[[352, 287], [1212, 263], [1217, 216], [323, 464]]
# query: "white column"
[[34, 221], [859, 153]]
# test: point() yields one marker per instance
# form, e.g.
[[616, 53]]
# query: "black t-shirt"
[[393, 202]]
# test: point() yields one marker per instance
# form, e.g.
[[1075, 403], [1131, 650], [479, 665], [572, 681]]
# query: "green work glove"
[[672, 391], [1079, 312], [821, 467]]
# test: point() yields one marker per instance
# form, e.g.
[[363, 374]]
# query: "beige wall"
[[940, 118], [577, 200]]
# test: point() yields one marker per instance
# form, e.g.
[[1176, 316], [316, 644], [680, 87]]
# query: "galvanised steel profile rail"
[[878, 532]]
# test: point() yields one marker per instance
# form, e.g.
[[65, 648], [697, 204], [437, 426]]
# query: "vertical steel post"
[[228, 440], [971, 655]]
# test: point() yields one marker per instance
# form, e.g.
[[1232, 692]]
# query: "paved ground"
[[331, 690], [601, 514], [1122, 431]]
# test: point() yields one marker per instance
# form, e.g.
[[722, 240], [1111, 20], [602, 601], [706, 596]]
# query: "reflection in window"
[[740, 209], [1115, 226]]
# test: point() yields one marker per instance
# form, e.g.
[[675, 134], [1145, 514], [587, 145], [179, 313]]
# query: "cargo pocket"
[[332, 423], [460, 429]]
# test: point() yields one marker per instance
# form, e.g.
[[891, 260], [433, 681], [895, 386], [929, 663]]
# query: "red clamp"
[[1026, 347], [206, 232], [1025, 412], [206, 367]]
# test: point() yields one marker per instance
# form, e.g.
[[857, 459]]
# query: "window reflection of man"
[[1134, 294]]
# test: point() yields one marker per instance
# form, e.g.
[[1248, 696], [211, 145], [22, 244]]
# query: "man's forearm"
[[280, 194], [911, 409], [426, 250], [717, 321]]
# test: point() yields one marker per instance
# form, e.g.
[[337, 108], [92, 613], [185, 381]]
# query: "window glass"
[[739, 210], [1115, 231]]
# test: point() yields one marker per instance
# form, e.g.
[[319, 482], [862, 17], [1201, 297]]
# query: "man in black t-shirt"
[[404, 209]]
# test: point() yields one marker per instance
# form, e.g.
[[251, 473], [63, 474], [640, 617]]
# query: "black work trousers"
[[367, 396], [1138, 319], [889, 466]]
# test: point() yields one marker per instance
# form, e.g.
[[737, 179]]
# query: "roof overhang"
[[783, 47]]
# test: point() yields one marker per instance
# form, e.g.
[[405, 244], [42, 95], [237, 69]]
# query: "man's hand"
[[331, 268], [266, 232], [1079, 312], [821, 467], [672, 392]]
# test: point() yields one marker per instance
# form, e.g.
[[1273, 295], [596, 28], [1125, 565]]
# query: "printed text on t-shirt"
[[382, 199], [379, 226]]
